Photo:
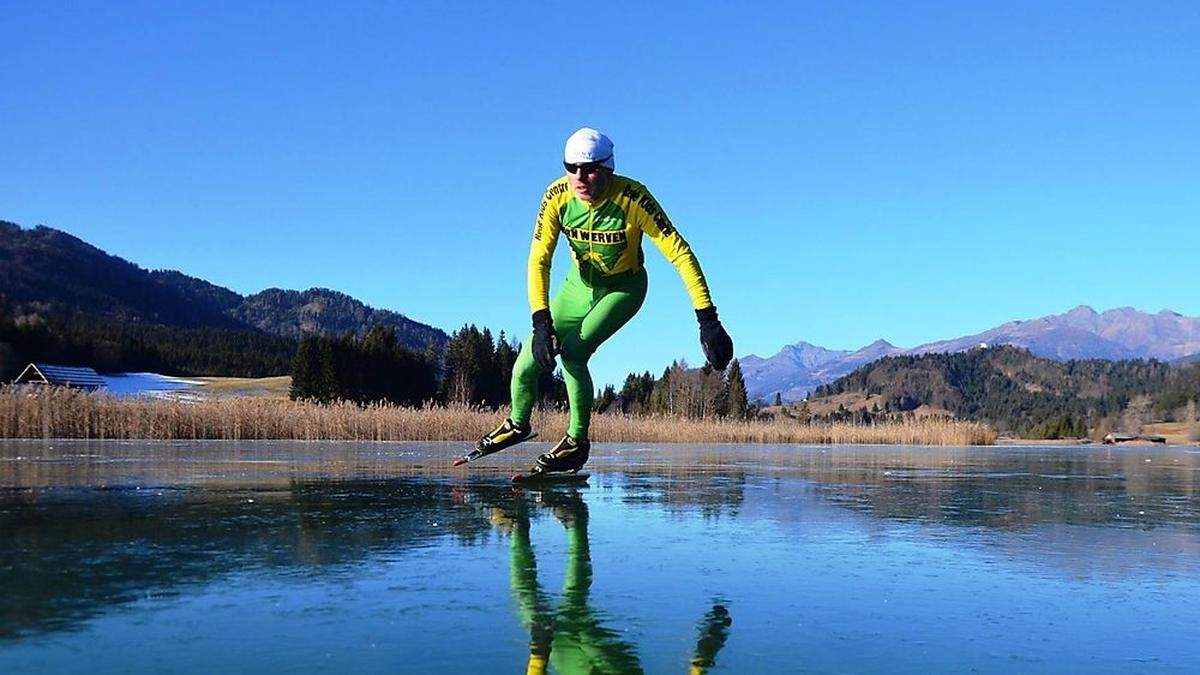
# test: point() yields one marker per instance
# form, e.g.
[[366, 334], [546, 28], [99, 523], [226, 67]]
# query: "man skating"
[[603, 217]]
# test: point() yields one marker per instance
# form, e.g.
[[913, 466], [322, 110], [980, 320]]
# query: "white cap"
[[589, 145]]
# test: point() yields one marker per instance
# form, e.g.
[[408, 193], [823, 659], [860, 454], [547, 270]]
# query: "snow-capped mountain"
[[1081, 333]]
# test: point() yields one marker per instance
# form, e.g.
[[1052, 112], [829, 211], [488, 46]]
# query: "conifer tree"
[[328, 388], [506, 356], [738, 404], [635, 392], [461, 368], [305, 369], [604, 398]]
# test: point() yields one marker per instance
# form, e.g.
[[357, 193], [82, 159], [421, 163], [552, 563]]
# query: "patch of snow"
[[146, 384]]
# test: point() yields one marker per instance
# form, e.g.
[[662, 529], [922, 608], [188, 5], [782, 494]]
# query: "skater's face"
[[588, 180]]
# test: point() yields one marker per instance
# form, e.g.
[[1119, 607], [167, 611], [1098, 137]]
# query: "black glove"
[[718, 347], [545, 342]]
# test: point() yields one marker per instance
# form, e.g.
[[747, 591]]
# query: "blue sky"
[[910, 171]]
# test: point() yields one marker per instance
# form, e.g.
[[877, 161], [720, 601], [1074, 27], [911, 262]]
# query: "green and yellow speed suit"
[[604, 288]]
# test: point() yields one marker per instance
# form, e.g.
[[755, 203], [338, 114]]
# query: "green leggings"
[[584, 317]]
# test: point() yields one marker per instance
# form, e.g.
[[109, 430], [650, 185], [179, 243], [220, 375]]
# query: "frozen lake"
[[378, 557]]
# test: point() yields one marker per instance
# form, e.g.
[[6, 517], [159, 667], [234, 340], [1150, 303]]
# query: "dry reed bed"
[[54, 412]]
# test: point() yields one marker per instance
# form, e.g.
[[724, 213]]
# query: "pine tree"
[[635, 392], [604, 399], [489, 375], [327, 371], [506, 356], [463, 369], [305, 369], [737, 398]]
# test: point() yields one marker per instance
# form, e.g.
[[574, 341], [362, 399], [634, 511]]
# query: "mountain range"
[[1014, 391], [49, 272], [1081, 333]]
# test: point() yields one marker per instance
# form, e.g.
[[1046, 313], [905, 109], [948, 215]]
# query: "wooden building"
[[63, 376], [1125, 437], [1114, 437]]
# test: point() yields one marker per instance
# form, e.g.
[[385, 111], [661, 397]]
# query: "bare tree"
[[1193, 422]]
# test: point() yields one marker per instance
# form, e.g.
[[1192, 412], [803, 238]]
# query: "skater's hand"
[[545, 342], [718, 346]]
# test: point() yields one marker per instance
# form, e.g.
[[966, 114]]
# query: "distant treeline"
[[370, 369], [1022, 394], [681, 391], [474, 369], [477, 370], [132, 346]]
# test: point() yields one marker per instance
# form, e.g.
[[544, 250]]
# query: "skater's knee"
[[575, 350], [575, 369], [525, 372]]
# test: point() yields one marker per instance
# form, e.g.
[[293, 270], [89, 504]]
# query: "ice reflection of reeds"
[[54, 412]]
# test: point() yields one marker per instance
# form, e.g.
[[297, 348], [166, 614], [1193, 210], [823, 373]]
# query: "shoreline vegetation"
[[58, 412]]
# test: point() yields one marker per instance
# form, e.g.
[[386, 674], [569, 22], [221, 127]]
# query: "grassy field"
[[53, 412], [1174, 432], [855, 401], [222, 387]]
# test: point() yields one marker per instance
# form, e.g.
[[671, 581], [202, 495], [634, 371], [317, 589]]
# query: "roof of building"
[[68, 376], [1121, 435]]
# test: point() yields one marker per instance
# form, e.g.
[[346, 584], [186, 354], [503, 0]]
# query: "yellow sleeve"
[[658, 227], [541, 250]]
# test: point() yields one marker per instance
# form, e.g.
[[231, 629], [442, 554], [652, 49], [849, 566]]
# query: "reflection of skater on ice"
[[568, 634]]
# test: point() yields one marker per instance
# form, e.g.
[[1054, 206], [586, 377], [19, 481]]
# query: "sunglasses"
[[586, 169]]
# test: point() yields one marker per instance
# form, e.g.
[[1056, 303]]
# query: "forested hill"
[[63, 299], [320, 310], [47, 271], [53, 272], [1016, 391]]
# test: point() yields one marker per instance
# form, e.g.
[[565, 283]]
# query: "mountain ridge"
[[1014, 391], [50, 271], [1079, 333]]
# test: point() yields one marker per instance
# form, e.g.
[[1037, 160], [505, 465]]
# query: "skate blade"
[[551, 477], [476, 454]]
